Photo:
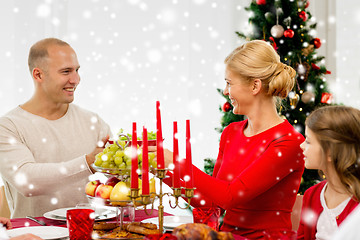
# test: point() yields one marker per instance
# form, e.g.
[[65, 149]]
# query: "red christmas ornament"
[[273, 43], [326, 98], [303, 15], [307, 4], [260, 2], [226, 107], [316, 42], [314, 66], [289, 33]]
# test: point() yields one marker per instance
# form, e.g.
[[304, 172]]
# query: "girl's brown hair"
[[338, 130]]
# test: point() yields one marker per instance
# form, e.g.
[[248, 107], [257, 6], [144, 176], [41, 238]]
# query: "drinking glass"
[[80, 223], [207, 215]]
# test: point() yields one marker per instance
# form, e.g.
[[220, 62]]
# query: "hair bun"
[[283, 80]]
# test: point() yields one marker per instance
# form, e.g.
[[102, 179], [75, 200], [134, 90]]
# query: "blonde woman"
[[259, 166], [331, 146]]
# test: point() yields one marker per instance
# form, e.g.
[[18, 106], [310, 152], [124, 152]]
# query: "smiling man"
[[47, 144]]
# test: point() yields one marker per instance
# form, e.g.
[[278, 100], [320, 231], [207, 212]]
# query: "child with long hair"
[[332, 146]]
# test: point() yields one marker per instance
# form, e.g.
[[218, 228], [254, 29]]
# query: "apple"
[[121, 192], [103, 191], [91, 187], [112, 181]]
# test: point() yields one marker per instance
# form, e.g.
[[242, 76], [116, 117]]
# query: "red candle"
[[145, 164], [176, 177], [159, 139], [134, 159], [188, 163]]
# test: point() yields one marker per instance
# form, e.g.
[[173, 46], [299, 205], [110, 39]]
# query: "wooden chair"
[[4, 208], [296, 212]]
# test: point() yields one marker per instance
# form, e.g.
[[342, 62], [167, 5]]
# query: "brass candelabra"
[[150, 199]]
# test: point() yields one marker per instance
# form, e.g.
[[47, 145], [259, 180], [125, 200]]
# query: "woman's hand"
[[168, 155]]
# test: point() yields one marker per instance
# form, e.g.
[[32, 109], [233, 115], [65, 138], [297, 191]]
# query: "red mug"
[[80, 223]]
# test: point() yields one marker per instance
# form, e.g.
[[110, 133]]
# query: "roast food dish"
[[135, 230], [171, 222], [199, 231]]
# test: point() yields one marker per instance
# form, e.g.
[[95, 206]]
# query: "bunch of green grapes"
[[114, 157], [151, 135]]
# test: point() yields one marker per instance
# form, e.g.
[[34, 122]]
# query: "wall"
[[131, 53], [135, 52]]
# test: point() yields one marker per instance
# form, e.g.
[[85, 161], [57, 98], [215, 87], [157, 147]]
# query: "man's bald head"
[[39, 52]]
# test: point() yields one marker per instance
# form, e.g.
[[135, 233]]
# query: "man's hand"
[[5, 222], [27, 236], [168, 155], [90, 158]]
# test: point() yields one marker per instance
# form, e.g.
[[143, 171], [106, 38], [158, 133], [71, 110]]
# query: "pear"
[[152, 188], [120, 195]]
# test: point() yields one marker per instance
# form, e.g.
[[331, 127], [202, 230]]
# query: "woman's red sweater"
[[255, 179]]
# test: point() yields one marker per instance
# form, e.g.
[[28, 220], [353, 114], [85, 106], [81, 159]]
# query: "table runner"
[[24, 222]]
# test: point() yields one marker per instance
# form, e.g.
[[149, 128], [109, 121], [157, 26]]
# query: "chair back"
[[296, 212], [4, 208]]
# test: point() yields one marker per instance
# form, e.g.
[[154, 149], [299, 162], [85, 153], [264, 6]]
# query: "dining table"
[[140, 215]]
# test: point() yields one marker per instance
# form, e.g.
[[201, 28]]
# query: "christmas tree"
[[286, 25]]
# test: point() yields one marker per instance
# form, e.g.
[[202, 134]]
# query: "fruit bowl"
[[107, 202], [124, 173], [113, 203]]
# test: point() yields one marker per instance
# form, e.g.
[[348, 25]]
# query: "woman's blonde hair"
[[337, 128], [258, 60]]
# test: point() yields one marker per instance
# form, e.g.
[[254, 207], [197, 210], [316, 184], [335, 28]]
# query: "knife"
[[35, 220]]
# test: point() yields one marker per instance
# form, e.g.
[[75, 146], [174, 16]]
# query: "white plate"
[[171, 222], [45, 232], [101, 214]]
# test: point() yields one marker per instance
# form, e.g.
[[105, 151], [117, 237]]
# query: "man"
[[47, 145], [6, 224]]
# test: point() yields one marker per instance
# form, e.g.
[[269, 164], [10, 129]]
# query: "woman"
[[331, 146], [259, 166]]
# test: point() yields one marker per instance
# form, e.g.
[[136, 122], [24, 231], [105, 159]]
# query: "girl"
[[332, 146]]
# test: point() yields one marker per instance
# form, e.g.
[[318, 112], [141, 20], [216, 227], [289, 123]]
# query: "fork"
[[37, 221]]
